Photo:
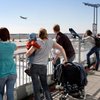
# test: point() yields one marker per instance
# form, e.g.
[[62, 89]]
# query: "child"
[[32, 42]]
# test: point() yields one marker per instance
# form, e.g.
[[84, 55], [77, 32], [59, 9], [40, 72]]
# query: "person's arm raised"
[[30, 51], [62, 51]]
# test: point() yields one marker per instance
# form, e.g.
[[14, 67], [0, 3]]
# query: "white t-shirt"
[[42, 54], [54, 53], [89, 42]]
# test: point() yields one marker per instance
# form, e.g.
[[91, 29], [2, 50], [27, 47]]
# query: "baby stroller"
[[74, 79]]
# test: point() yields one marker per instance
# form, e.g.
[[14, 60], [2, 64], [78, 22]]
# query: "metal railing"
[[21, 62], [21, 65]]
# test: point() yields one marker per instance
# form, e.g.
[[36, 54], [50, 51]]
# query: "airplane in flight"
[[23, 17]]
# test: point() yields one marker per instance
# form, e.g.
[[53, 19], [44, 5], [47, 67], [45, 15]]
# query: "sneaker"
[[85, 65], [93, 67], [91, 72], [59, 87]]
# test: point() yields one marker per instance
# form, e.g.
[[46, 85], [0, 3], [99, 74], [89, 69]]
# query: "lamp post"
[[95, 16]]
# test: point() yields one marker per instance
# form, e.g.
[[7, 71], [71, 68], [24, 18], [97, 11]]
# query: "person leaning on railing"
[[39, 63], [95, 48], [7, 65], [65, 42]]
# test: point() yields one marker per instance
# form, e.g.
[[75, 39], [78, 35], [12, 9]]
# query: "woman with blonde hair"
[[39, 63]]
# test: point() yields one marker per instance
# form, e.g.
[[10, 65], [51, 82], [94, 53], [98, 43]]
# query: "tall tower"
[[95, 16]]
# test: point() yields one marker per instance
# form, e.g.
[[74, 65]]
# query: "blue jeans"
[[9, 82], [40, 72], [96, 51]]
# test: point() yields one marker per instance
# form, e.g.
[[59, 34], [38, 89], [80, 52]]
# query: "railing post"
[[79, 51]]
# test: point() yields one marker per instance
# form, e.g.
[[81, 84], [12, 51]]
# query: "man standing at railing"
[[65, 42]]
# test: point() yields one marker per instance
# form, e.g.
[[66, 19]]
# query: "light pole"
[[95, 16]]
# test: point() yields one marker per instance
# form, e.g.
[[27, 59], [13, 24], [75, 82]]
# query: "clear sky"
[[47, 13]]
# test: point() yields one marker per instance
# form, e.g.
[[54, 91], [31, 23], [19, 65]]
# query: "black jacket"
[[65, 42]]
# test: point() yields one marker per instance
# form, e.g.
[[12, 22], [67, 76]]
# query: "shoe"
[[85, 65], [59, 87], [91, 72], [93, 67]]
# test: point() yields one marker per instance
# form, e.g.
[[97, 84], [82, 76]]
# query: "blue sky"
[[47, 13]]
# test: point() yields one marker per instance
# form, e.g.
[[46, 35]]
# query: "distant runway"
[[22, 44]]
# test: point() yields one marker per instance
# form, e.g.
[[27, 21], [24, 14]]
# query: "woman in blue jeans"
[[95, 50], [39, 63], [7, 65]]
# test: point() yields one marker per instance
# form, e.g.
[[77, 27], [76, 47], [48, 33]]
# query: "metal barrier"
[[21, 65], [21, 62], [23, 86], [23, 79]]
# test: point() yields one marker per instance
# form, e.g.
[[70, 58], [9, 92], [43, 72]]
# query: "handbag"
[[27, 71]]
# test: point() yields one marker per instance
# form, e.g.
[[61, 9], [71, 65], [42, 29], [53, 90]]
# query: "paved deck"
[[93, 86], [92, 89]]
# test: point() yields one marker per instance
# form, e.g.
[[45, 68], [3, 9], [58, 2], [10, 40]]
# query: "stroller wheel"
[[82, 94], [63, 97]]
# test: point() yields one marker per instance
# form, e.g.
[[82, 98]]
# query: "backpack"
[[97, 41]]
